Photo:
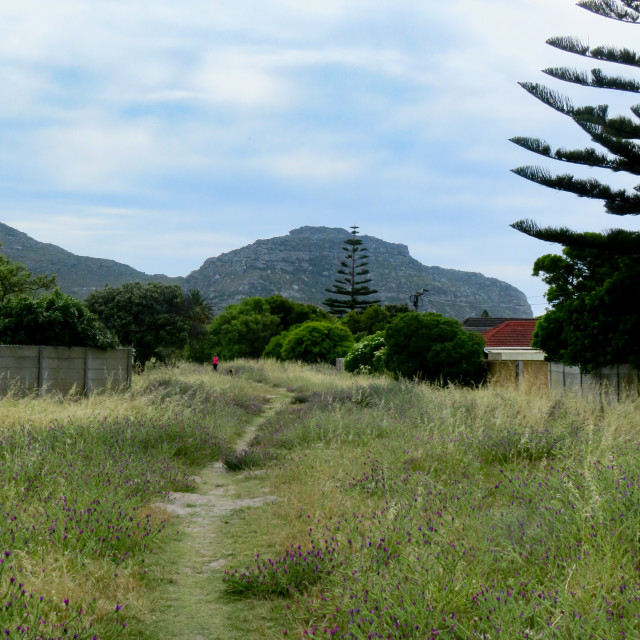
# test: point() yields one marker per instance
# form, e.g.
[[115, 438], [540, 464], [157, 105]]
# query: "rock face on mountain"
[[302, 264], [299, 266], [77, 275]]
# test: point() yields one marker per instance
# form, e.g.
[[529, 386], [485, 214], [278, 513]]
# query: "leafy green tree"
[[431, 347], [352, 283], [16, 279], [243, 330], [368, 321], [53, 319], [291, 313], [616, 136], [593, 321], [317, 341], [366, 356], [152, 317]]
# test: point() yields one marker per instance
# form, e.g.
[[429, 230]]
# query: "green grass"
[[403, 511], [448, 513]]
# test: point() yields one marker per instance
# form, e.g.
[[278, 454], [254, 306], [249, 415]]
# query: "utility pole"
[[415, 298]]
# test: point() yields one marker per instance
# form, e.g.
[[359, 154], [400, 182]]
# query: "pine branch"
[[551, 98], [588, 157], [617, 202], [618, 241], [624, 56], [598, 79], [627, 152], [623, 10]]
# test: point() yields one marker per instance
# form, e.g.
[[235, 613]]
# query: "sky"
[[160, 133]]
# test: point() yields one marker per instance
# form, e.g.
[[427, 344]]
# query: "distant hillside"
[[299, 266], [302, 264], [77, 275]]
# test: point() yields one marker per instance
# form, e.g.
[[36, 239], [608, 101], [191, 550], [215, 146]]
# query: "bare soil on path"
[[190, 603]]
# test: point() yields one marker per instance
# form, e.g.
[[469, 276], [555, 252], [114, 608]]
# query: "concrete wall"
[[64, 369], [608, 384]]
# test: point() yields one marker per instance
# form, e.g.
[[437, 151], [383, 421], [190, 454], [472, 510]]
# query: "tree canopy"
[[317, 341], [352, 283], [431, 347], [16, 279], [243, 330], [153, 318], [53, 319], [615, 136], [593, 321]]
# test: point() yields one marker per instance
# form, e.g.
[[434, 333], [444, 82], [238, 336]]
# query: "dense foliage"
[[431, 347], [245, 329], [54, 319], [317, 341], [616, 135], [366, 322], [152, 317], [593, 322], [352, 283], [16, 279], [366, 356]]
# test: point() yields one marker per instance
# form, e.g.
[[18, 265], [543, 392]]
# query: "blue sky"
[[160, 133]]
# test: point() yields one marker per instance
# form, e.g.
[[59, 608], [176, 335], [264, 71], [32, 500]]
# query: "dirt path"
[[190, 604]]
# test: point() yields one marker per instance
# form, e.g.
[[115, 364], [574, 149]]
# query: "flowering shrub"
[[367, 356]]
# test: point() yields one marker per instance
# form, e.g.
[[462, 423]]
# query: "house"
[[480, 325], [511, 358]]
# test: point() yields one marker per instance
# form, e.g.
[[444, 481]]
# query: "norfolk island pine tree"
[[352, 281], [590, 324], [616, 135]]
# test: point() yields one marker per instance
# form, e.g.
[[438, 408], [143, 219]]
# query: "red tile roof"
[[514, 333]]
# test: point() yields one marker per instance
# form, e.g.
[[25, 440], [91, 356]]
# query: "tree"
[[291, 313], [366, 322], [16, 279], [593, 322], [431, 347], [53, 319], [316, 341], [616, 135], [243, 330], [152, 317], [352, 281]]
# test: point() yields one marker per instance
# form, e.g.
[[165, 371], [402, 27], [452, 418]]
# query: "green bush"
[[274, 348], [367, 356], [316, 341], [54, 319], [431, 347]]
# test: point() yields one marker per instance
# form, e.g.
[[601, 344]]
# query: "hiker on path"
[[215, 362]]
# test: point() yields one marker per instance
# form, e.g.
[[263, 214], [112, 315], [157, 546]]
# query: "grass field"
[[403, 510]]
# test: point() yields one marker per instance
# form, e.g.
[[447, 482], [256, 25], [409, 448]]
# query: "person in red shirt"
[[215, 362]]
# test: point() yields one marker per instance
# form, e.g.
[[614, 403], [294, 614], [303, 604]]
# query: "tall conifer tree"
[[616, 135], [352, 281]]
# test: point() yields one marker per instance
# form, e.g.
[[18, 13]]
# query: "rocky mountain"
[[302, 264], [77, 275], [299, 266]]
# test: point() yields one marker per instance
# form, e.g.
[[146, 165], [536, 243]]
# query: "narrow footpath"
[[190, 603]]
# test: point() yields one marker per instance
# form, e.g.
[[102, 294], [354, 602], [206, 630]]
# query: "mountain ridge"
[[300, 266]]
